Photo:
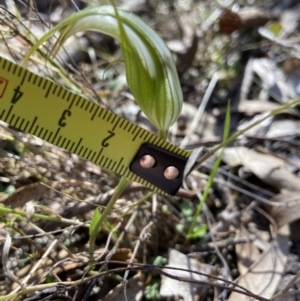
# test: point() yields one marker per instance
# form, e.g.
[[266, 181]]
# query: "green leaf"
[[150, 69], [94, 229], [198, 232]]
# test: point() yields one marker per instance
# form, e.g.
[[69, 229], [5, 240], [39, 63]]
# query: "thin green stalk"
[[97, 226], [163, 134], [283, 108], [272, 113], [138, 202], [191, 231], [40, 216]]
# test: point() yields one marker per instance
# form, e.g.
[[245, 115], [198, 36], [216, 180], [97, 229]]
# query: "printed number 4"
[[17, 95]]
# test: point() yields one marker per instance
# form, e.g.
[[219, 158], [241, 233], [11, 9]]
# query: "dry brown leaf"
[[134, 290], [271, 170], [265, 274], [283, 128], [288, 214], [247, 254], [188, 291]]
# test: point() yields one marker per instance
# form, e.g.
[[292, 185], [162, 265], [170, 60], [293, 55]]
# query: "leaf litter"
[[255, 52]]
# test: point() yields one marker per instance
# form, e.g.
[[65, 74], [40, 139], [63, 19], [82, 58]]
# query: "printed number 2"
[[104, 142], [17, 95]]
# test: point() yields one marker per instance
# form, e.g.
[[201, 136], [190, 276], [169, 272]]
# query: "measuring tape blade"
[[38, 106]]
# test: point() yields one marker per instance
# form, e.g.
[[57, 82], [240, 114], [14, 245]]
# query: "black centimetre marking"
[[83, 155], [63, 142], [8, 113], [11, 119], [114, 127], [72, 101], [54, 90], [16, 124], [40, 82], [113, 166], [73, 144], [155, 141], [9, 66], [126, 125], [136, 134], [105, 113], [102, 158], [69, 95], [134, 129], [81, 148], [46, 132], [15, 69], [109, 116], [94, 154], [49, 89], [78, 101], [120, 162], [20, 72], [88, 155], [99, 154], [120, 126], [165, 145], [94, 114], [55, 135], [68, 144], [92, 108], [134, 178], [142, 133], [121, 169], [79, 142], [21, 124], [49, 137], [26, 126], [24, 76], [114, 118], [87, 105], [126, 172], [34, 132], [64, 95], [35, 78], [109, 164], [29, 78], [83, 102], [130, 127], [171, 149], [57, 143], [146, 137], [59, 91], [100, 113], [40, 133], [45, 84], [4, 64], [33, 123], [160, 143]]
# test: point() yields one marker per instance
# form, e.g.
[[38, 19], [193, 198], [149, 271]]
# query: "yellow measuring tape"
[[40, 107]]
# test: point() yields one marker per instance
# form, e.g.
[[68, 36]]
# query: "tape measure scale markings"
[[40, 107]]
